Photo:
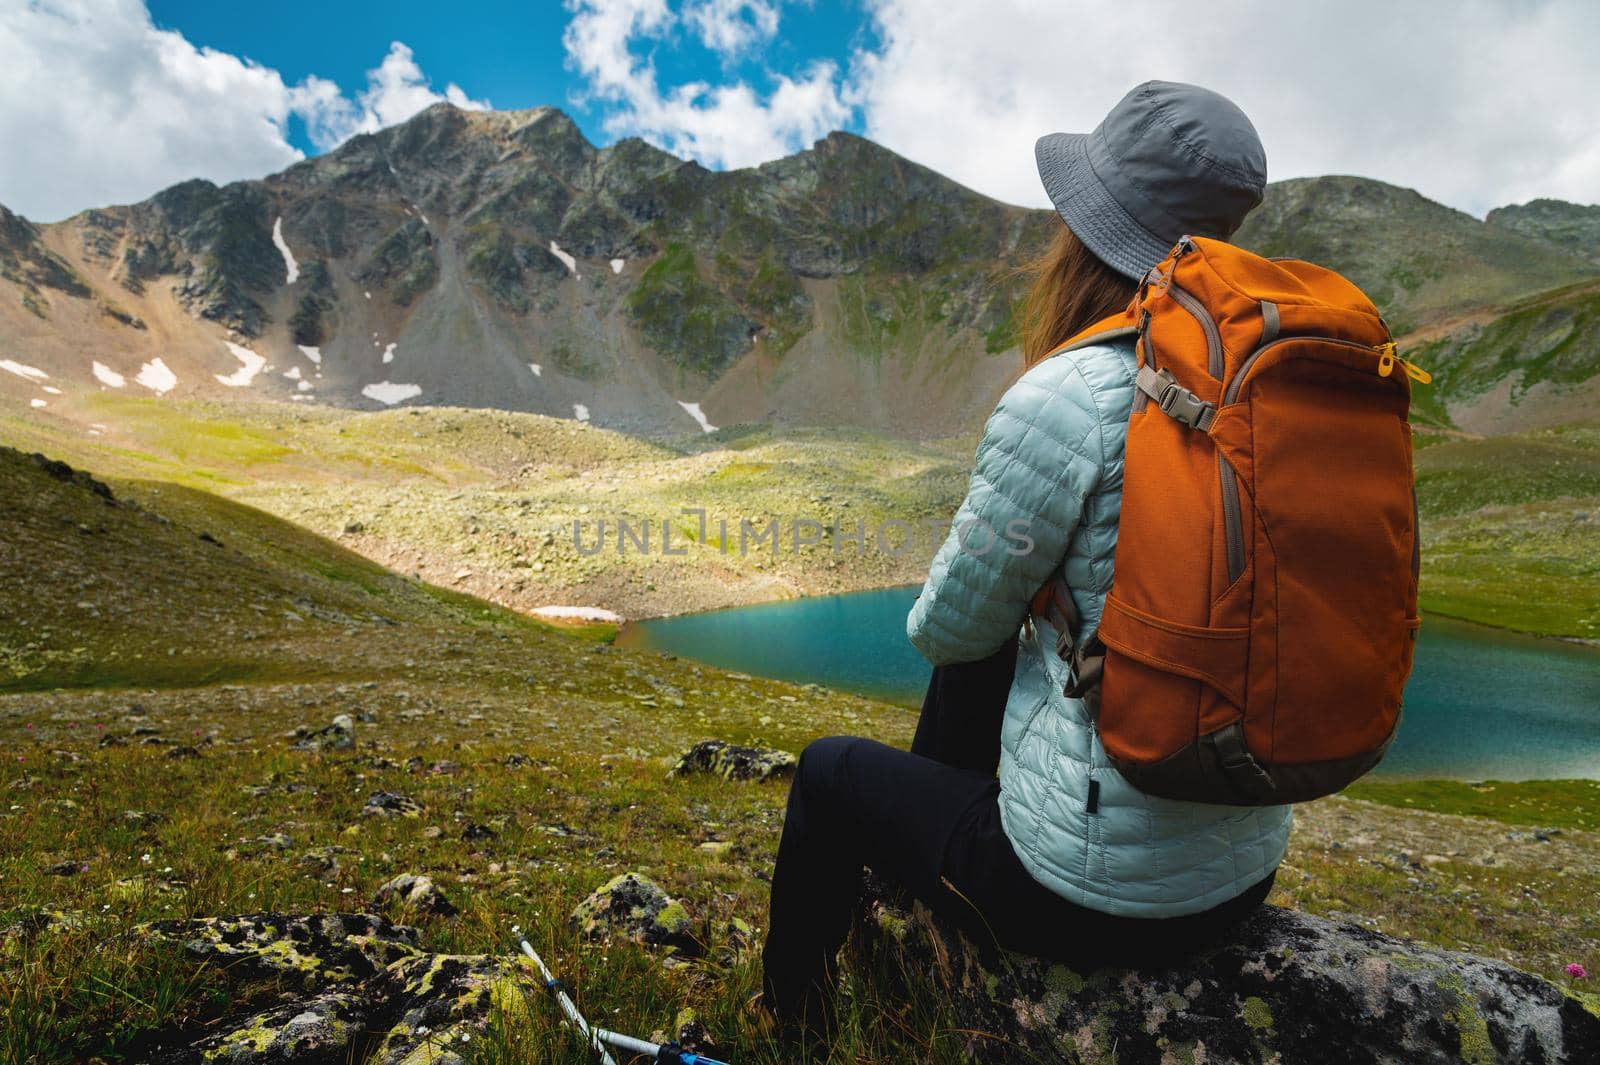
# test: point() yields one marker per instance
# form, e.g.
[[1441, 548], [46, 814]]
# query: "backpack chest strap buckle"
[[1175, 401]]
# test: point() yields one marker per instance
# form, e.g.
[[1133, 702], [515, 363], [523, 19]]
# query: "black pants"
[[929, 821]]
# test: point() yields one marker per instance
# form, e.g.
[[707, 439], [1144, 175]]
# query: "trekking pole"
[[600, 1038]]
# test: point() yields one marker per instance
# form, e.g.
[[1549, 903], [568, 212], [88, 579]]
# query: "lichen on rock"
[[391, 804], [320, 949], [634, 907], [322, 1028], [368, 993], [339, 735], [417, 894], [732, 762], [1284, 986]]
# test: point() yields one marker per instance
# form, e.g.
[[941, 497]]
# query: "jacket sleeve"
[[1040, 459]]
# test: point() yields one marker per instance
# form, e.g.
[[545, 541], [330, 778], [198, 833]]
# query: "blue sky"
[[1471, 102], [507, 53]]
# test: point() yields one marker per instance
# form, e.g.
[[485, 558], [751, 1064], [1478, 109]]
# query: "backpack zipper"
[[1232, 519], [1208, 325], [1389, 358]]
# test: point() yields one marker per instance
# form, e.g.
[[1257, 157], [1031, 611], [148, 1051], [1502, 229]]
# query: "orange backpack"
[[1263, 612]]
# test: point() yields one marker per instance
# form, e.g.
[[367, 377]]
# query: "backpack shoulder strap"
[[1116, 327]]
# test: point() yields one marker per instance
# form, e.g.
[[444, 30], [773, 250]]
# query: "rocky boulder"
[[339, 735], [632, 906], [415, 894], [319, 950], [367, 992], [732, 762], [1285, 987], [391, 804]]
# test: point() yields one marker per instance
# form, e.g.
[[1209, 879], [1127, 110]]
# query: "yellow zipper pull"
[[1417, 373], [1388, 359]]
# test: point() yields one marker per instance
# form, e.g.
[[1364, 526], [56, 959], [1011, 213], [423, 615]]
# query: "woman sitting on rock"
[[1059, 856]]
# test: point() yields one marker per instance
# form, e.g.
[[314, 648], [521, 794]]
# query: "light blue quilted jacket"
[[1051, 459]]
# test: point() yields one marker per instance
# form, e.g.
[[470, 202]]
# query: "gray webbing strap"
[[1175, 401], [1086, 660]]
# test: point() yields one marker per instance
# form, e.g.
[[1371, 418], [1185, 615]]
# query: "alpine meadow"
[[310, 685]]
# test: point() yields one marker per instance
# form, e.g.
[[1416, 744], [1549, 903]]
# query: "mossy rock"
[[733, 762], [366, 992], [634, 907], [1283, 986]]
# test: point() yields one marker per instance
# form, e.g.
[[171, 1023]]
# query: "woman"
[[1058, 856]]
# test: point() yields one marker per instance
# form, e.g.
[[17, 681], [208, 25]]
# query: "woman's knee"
[[822, 758], [822, 764]]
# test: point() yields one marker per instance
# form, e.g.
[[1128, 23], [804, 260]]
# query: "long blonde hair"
[[1071, 289]]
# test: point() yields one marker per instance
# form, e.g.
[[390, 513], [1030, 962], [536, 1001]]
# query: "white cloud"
[[720, 125], [1473, 102], [396, 90], [731, 27], [98, 106]]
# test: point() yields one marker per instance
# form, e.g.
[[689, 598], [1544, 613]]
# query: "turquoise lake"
[[1481, 704]]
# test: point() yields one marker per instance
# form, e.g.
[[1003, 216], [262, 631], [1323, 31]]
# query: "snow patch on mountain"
[[617, 265], [388, 353], [290, 267], [577, 613], [155, 376], [32, 373], [698, 415], [250, 364], [107, 376], [390, 393], [538, 371], [572, 263], [580, 412], [312, 353], [36, 403], [292, 373]]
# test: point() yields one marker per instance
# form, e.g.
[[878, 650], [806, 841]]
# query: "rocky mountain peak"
[[498, 258], [1572, 226]]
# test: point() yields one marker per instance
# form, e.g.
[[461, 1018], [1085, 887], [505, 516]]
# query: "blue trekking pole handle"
[[660, 1053]]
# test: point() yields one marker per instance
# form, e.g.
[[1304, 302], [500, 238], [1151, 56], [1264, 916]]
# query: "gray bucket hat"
[[1169, 160]]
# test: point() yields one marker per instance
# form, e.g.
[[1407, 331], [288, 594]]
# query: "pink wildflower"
[[1577, 972]]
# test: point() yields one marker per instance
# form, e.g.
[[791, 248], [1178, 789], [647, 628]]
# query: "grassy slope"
[[1536, 803], [1511, 530], [446, 679], [1551, 337], [485, 501]]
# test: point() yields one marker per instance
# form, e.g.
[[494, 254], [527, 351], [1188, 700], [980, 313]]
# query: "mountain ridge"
[[499, 259]]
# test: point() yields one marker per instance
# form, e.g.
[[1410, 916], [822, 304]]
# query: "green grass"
[[446, 688], [1509, 523], [1552, 338], [1539, 803], [1511, 530], [685, 316]]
